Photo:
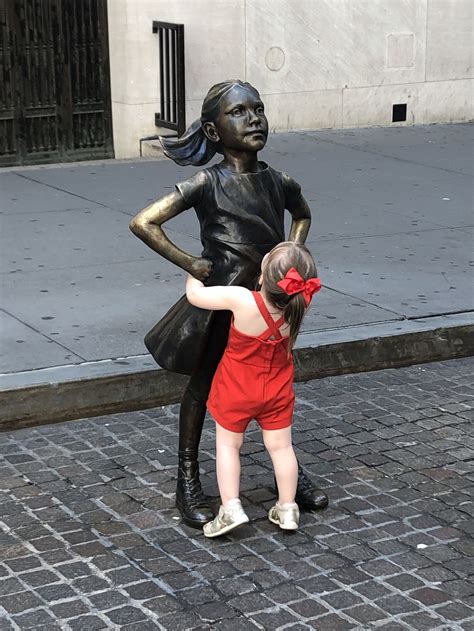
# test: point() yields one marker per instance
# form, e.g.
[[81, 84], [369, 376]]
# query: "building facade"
[[316, 63], [82, 79]]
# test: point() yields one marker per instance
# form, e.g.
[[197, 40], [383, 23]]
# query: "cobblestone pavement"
[[91, 539]]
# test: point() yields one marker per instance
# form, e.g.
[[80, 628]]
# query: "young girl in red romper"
[[254, 379]]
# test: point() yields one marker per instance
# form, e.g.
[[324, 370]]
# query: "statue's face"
[[241, 124]]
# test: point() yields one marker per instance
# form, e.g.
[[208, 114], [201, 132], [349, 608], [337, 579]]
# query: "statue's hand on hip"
[[201, 268]]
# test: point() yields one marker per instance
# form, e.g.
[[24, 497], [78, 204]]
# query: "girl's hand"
[[201, 268]]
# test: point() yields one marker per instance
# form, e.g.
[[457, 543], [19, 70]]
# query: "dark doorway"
[[54, 81]]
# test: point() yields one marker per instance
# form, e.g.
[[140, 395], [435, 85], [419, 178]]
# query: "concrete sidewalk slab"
[[412, 144], [20, 193], [407, 279], [392, 233]]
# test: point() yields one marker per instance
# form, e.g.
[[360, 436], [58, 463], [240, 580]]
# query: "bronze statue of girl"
[[240, 204]]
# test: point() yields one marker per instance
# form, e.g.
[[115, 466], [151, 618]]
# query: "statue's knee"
[[198, 391]]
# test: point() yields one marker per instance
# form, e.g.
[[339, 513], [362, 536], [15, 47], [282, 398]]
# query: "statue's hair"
[[193, 147], [277, 263]]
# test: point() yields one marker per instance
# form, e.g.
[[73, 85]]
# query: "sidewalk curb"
[[80, 397]]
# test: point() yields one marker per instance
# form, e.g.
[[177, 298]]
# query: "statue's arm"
[[147, 226], [301, 220]]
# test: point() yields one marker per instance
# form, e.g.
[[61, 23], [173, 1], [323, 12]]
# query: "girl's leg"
[[279, 446], [228, 446], [231, 514]]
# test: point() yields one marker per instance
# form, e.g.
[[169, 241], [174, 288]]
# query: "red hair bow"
[[292, 283]]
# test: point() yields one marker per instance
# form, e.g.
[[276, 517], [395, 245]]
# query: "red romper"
[[254, 379]]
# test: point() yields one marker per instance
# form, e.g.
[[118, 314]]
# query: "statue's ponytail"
[[193, 147]]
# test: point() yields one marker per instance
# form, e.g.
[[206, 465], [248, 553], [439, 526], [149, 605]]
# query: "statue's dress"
[[241, 216]]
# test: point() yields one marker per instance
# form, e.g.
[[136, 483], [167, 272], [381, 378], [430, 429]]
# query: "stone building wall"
[[317, 63]]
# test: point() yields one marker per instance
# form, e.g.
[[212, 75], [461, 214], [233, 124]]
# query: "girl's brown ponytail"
[[294, 314], [276, 265]]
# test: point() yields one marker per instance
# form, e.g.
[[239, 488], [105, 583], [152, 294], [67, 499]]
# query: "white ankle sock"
[[235, 501], [288, 505]]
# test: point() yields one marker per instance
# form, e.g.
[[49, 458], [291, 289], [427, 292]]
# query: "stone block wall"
[[317, 63]]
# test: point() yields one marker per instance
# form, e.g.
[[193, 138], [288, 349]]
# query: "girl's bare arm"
[[215, 298], [301, 221], [146, 225]]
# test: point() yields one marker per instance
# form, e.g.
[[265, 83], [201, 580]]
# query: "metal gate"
[[172, 91], [54, 81]]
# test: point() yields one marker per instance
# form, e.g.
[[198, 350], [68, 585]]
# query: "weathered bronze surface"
[[240, 204]]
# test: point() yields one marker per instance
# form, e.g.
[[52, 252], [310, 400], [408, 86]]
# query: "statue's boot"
[[308, 496], [190, 500]]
